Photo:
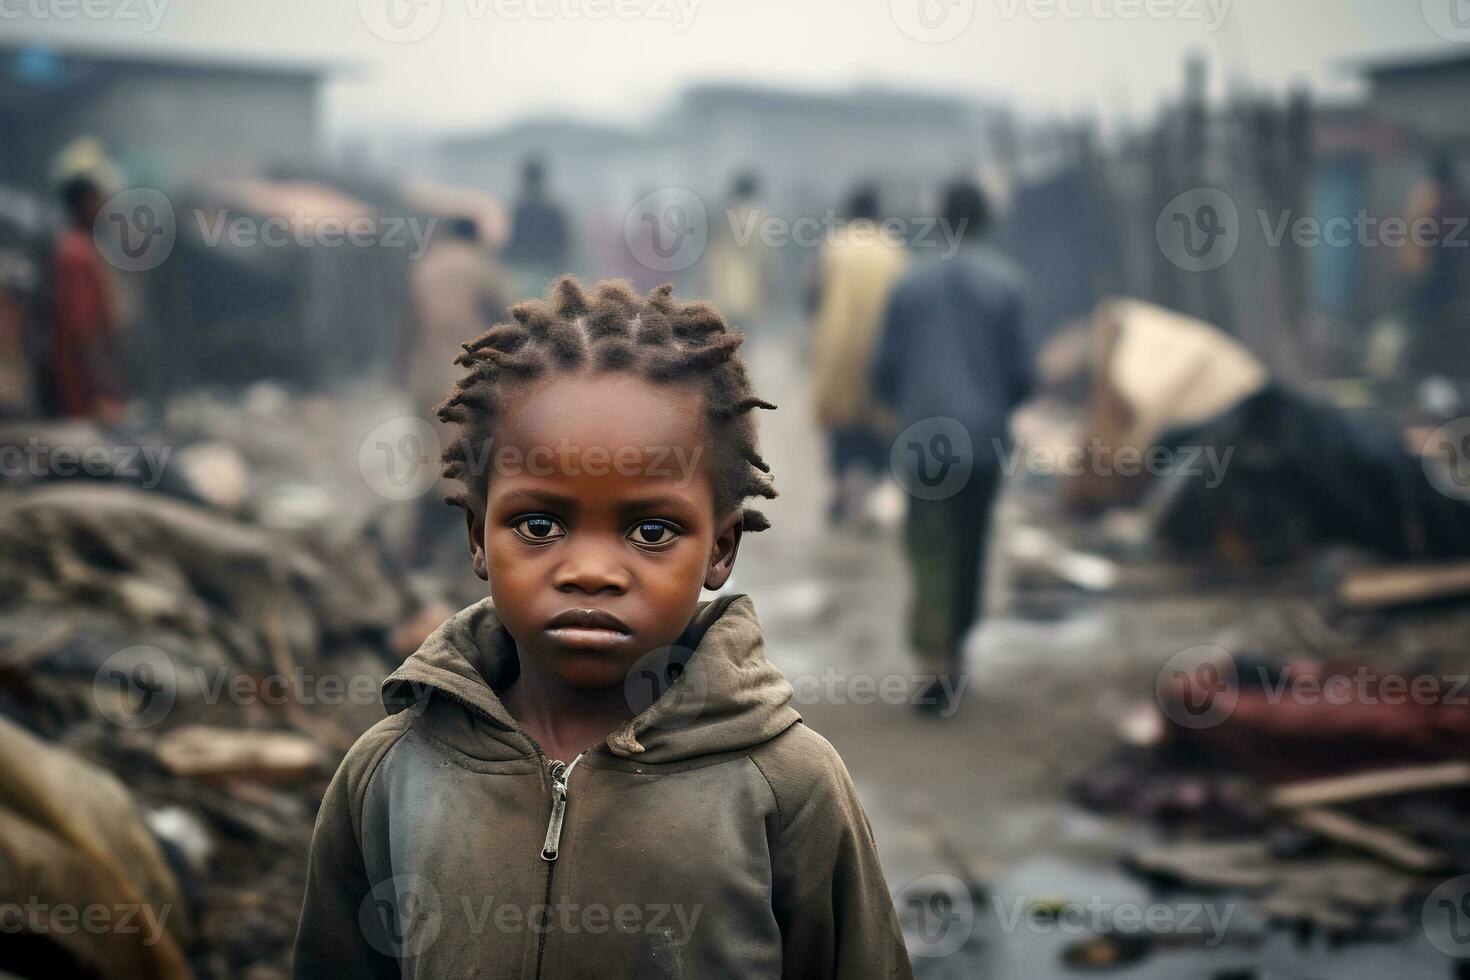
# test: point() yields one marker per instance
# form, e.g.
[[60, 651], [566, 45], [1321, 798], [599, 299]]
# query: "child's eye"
[[539, 527], [653, 533]]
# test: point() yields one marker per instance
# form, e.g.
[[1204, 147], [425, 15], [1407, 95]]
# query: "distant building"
[[161, 118], [1427, 96], [810, 148], [807, 150]]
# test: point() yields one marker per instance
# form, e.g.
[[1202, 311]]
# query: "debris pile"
[[178, 680]]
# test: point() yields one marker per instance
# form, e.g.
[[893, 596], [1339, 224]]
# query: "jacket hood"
[[712, 691]]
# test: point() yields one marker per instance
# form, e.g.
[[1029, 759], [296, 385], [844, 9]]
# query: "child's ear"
[[722, 555], [475, 526]]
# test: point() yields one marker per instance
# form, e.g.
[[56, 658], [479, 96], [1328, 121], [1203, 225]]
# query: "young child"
[[593, 773]]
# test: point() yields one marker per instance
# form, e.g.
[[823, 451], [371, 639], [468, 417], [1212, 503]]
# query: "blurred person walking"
[[737, 262], [855, 273], [953, 354], [540, 243], [457, 290], [1439, 271], [85, 356]]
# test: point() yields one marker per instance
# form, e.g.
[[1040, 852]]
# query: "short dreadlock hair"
[[656, 337]]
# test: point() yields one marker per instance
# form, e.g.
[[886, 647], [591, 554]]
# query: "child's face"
[[599, 528]]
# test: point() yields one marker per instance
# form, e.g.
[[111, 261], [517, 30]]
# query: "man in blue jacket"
[[953, 362]]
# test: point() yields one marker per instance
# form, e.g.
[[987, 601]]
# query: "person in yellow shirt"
[[855, 273]]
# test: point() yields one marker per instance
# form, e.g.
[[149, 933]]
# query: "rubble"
[[189, 671]]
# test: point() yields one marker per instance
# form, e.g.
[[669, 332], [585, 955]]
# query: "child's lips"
[[588, 637], [588, 629]]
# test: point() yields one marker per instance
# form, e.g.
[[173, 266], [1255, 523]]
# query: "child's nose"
[[591, 569]]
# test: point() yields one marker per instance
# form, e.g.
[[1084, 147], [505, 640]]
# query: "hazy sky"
[[486, 61]]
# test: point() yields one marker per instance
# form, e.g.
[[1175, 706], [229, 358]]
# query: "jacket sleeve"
[[1018, 348], [830, 899], [332, 937], [888, 355]]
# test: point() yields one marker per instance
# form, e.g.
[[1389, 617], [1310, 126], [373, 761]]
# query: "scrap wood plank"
[[1399, 585], [202, 752], [1367, 785], [1389, 845]]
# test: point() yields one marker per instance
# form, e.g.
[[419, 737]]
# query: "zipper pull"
[[560, 774]]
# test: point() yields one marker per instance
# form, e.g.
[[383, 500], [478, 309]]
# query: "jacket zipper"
[[560, 774]]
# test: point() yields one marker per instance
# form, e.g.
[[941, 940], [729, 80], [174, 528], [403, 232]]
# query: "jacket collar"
[[713, 691]]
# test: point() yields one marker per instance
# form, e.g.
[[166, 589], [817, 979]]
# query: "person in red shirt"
[[85, 367]]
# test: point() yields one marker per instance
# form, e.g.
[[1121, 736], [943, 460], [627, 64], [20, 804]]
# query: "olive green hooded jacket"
[[714, 835]]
